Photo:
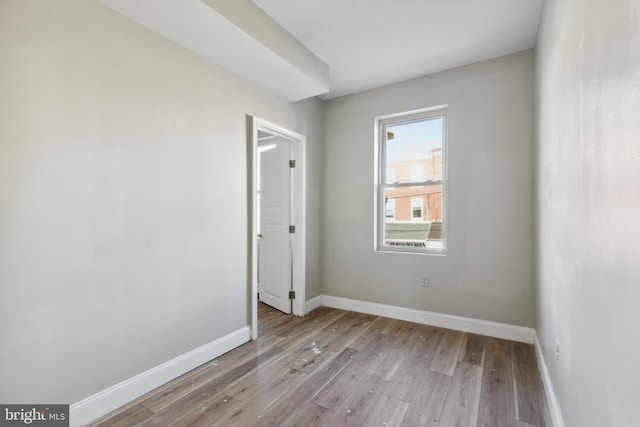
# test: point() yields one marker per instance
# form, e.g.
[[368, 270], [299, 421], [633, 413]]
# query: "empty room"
[[331, 213]]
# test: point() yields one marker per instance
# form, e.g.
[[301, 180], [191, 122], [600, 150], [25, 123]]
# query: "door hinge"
[[292, 294], [292, 229], [292, 163]]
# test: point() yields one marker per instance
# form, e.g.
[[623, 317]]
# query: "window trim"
[[381, 122]]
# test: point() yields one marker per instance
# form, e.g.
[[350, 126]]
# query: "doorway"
[[277, 221]]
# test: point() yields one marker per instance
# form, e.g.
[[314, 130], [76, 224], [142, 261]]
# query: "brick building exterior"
[[420, 203]]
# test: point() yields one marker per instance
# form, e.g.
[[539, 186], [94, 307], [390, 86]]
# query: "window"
[[411, 181], [416, 209], [390, 210]]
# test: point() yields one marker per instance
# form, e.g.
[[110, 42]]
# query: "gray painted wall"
[[488, 272], [310, 116], [123, 180], [588, 175]]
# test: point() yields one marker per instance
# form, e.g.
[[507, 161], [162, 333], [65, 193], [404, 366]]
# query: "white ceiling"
[[302, 48], [238, 36], [370, 43]]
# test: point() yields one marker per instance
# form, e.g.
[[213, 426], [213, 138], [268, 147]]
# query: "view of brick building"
[[420, 202], [411, 211]]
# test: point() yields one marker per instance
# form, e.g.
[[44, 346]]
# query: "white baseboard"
[[313, 303], [464, 324], [94, 407], [552, 400]]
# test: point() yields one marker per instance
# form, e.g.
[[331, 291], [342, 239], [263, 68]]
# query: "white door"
[[274, 249]]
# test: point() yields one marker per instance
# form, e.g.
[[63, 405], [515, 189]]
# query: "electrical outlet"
[[425, 281], [557, 349]]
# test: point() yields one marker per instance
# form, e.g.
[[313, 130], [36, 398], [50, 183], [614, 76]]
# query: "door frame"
[[298, 238]]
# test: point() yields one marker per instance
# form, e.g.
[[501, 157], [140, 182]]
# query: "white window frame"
[[380, 132]]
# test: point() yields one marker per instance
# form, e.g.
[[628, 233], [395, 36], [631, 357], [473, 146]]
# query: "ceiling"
[[238, 36], [370, 43], [298, 49]]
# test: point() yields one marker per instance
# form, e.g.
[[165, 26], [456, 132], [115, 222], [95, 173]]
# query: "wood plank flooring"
[[340, 368]]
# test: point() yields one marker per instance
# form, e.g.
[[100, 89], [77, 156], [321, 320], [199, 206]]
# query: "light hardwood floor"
[[340, 368]]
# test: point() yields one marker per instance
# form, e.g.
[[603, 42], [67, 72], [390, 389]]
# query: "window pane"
[[417, 220], [416, 208], [414, 151]]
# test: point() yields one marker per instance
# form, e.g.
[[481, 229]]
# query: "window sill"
[[411, 251]]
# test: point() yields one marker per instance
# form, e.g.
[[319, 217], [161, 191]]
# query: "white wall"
[[588, 174], [123, 187], [488, 271]]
